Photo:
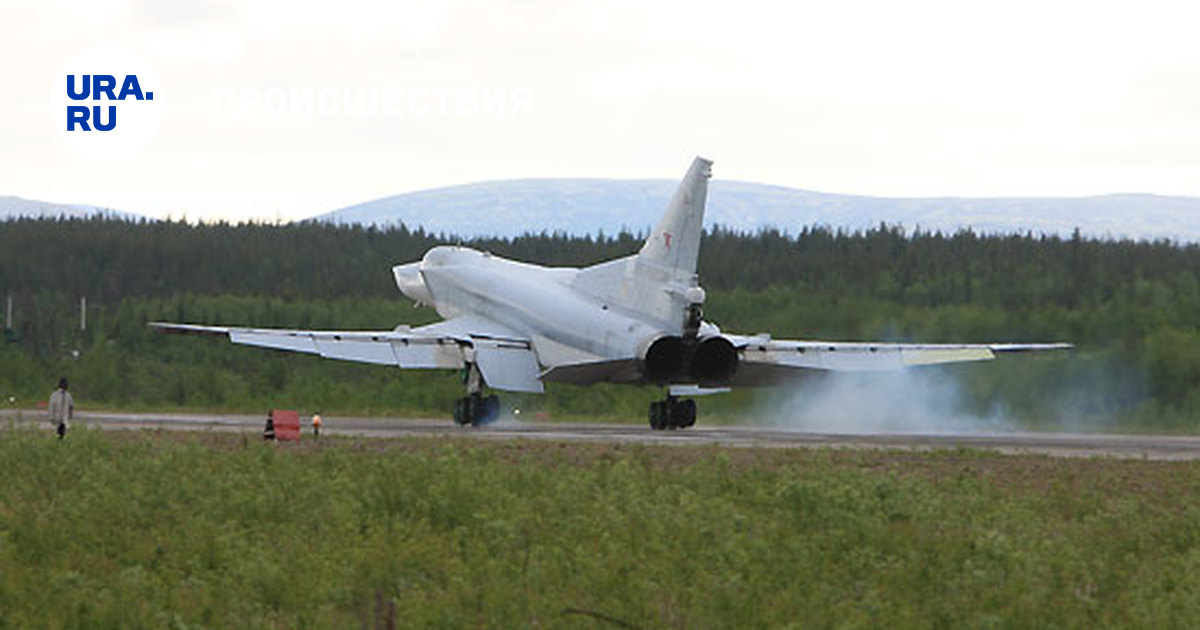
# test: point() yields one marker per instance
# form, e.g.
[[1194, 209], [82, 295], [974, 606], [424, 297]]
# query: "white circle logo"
[[107, 102]]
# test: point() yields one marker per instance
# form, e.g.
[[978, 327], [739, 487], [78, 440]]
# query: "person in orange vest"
[[316, 424]]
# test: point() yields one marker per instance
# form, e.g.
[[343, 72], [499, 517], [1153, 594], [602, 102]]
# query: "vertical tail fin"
[[675, 242], [655, 282]]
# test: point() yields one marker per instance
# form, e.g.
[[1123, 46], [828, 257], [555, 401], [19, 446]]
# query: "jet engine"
[[714, 360], [708, 360], [664, 359]]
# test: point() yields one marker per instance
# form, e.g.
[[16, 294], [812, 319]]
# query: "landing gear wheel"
[[476, 410], [672, 413], [687, 413], [658, 420]]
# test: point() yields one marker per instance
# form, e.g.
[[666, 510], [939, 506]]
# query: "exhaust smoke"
[[1095, 392], [914, 401]]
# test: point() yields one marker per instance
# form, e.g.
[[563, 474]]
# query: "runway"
[[1158, 447]]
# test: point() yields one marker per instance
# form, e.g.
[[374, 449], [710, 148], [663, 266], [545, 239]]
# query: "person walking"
[[316, 424], [61, 407]]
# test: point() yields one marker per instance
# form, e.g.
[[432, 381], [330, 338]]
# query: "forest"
[[1129, 306]]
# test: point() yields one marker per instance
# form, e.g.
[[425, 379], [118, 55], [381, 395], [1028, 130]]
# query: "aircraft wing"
[[506, 360], [765, 361]]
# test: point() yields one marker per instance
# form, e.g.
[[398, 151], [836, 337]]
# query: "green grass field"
[[213, 530]]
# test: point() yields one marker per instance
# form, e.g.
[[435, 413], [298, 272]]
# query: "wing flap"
[[837, 356], [506, 361], [377, 352], [402, 347], [290, 342], [428, 355], [507, 366], [934, 356]]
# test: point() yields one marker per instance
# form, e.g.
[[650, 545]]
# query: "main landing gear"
[[672, 413], [476, 409]]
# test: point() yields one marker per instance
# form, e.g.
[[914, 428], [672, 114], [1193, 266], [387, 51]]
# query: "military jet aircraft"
[[516, 326]]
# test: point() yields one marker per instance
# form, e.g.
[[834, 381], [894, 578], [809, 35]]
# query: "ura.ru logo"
[[98, 88], [107, 102]]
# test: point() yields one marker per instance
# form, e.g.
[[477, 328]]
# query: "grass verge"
[[163, 529]]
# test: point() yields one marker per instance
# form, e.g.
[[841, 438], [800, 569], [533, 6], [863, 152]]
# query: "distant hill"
[[17, 207], [586, 206]]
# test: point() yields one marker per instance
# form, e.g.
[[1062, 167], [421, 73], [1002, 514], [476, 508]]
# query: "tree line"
[[1130, 305]]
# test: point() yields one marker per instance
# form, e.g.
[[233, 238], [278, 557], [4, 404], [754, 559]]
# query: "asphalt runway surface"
[[1159, 447]]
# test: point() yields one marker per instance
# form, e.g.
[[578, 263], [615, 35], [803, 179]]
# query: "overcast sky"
[[914, 98]]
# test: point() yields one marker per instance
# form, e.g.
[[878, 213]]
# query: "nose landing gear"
[[672, 413]]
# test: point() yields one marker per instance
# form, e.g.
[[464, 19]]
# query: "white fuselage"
[[533, 301]]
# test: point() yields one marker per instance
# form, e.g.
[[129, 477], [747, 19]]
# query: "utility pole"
[[8, 314], [83, 313]]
